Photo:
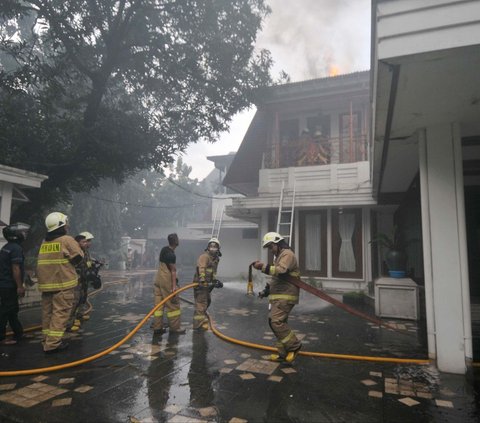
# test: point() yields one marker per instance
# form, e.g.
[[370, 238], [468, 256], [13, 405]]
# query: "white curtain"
[[313, 260], [346, 226]]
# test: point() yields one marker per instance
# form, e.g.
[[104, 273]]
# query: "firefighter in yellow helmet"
[[57, 279], [282, 295], [206, 276]]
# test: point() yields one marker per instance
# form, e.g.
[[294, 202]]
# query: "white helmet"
[[55, 220], [271, 237], [87, 235], [214, 239]]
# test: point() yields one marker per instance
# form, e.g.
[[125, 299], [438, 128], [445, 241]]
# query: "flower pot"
[[397, 263]]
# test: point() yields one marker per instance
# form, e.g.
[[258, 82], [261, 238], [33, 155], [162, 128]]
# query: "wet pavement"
[[198, 377]]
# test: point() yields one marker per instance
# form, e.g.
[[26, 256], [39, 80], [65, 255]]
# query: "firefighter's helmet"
[[214, 240], [88, 236], [16, 232], [55, 220], [271, 238]]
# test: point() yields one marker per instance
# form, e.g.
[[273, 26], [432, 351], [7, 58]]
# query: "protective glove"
[[257, 265], [217, 284], [265, 292]]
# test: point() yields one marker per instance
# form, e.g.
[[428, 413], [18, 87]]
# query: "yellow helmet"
[[215, 240], [271, 238], [87, 235], [55, 220]]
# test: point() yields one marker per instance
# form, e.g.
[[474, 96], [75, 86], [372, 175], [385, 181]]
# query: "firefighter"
[[86, 268], [282, 295], [57, 279], [166, 283], [12, 273], [81, 290], [206, 276]]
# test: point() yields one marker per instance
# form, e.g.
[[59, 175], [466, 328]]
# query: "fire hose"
[[324, 296]]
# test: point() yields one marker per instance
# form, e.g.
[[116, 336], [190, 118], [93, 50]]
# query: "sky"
[[307, 39]]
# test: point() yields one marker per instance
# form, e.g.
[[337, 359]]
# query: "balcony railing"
[[316, 152]]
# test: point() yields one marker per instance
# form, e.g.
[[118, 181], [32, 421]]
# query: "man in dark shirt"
[[12, 272], [165, 284]]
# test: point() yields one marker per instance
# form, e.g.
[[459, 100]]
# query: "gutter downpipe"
[[427, 251], [462, 239]]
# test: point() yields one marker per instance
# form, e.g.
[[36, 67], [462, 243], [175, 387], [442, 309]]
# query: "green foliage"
[[390, 241], [148, 199], [394, 241], [94, 90]]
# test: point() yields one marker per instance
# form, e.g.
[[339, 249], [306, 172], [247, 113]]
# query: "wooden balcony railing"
[[316, 152]]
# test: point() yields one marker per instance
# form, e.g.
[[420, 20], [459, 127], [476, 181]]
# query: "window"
[[289, 130], [319, 122], [347, 258], [313, 243]]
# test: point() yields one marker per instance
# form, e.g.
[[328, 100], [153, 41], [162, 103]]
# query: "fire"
[[333, 70]]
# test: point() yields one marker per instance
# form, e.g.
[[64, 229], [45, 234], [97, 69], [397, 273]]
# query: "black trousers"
[[9, 312]]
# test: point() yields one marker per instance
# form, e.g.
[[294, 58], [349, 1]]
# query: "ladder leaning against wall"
[[217, 221], [286, 214]]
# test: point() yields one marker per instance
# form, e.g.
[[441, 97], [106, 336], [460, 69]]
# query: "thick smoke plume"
[[317, 38]]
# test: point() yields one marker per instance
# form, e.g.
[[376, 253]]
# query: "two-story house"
[[311, 139]]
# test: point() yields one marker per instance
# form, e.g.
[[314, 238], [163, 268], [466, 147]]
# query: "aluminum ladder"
[[286, 215], [217, 221]]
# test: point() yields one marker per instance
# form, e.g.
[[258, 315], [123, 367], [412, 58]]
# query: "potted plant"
[[396, 258]]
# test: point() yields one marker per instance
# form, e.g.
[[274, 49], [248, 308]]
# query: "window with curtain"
[[347, 258], [313, 243]]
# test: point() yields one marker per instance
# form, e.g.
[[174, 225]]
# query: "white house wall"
[[237, 254], [406, 27]]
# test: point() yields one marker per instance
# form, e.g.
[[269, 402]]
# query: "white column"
[[5, 201], [444, 218], [427, 251]]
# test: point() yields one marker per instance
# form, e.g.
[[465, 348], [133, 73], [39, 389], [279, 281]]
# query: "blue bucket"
[[397, 273]]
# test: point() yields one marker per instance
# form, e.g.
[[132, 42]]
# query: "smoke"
[[316, 38]]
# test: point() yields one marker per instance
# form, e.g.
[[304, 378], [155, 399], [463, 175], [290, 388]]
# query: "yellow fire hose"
[[102, 353], [217, 333]]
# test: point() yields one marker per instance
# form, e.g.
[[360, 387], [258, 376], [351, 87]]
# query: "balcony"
[[316, 151], [328, 171]]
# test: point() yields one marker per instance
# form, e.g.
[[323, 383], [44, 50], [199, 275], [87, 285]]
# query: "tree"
[[105, 88], [148, 199]]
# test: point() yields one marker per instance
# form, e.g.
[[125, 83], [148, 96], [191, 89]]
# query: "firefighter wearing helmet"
[[12, 273], [57, 279], [206, 277], [282, 295]]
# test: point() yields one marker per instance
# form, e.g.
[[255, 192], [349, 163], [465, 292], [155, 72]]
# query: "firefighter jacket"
[[55, 272], [280, 288], [164, 274], [206, 269]]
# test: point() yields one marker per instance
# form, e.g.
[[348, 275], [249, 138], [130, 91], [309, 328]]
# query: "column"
[[444, 245]]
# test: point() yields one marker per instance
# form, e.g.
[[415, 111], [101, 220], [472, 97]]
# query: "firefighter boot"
[[292, 355], [276, 358]]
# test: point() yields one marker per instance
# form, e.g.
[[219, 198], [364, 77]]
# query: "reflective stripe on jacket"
[[280, 289], [54, 270]]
